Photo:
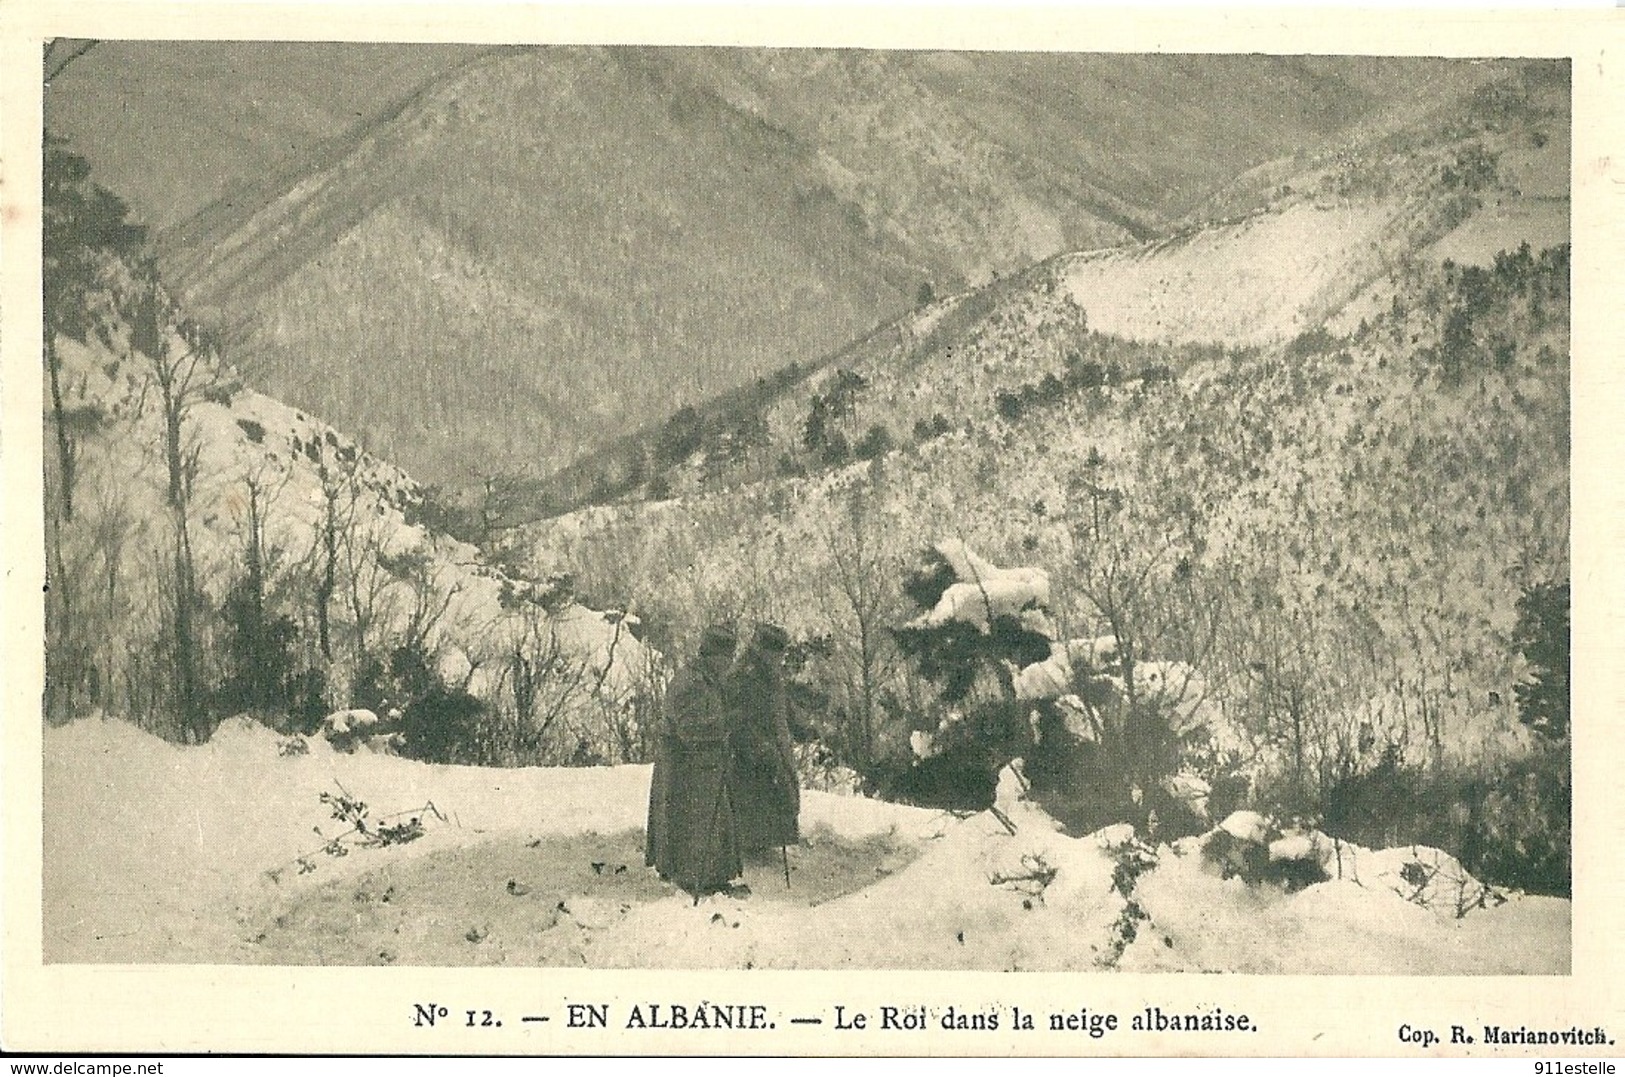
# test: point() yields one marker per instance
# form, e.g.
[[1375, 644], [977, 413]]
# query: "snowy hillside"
[[1196, 604], [1327, 242], [160, 853], [687, 218], [213, 551], [1310, 454], [1337, 472]]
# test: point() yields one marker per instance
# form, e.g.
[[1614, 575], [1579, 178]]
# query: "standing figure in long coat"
[[691, 838], [766, 789]]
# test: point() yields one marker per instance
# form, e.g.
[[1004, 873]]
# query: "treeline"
[[729, 432], [1488, 311], [1102, 363]]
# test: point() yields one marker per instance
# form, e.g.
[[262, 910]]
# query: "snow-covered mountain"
[[495, 261], [1300, 442], [1334, 433]]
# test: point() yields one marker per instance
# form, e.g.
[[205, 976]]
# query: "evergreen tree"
[[1542, 634]]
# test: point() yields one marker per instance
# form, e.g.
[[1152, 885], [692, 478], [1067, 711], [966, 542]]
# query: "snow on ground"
[[1201, 923], [158, 852], [1263, 280], [155, 852]]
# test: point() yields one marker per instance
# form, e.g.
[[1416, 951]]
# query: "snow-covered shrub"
[[1106, 739], [1254, 848]]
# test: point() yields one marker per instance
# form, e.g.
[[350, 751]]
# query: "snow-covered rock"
[[1300, 846], [1045, 680], [352, 722]]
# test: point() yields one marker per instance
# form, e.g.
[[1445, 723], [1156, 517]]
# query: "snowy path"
[[157, 853]]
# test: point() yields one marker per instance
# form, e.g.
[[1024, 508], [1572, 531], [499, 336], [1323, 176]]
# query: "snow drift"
[[160, 853]]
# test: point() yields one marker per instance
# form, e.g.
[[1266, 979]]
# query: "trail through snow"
[[159, 853]]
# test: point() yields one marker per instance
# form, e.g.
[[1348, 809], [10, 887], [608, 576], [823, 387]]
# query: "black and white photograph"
[[729, 507]]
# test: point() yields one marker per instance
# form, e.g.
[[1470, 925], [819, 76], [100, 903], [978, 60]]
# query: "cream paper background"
[[368, 1010]]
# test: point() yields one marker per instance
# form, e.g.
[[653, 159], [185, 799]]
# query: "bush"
[[1316, 341], [934, 427], [1474, 169], [442, 726], [260, 667], [1382, 806], [876, 442], [1011, 406], [836, 450], [1522, 828], [1510, 826]]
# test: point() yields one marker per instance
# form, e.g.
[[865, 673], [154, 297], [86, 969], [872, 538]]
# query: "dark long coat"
[[766, 789], [692, 838]]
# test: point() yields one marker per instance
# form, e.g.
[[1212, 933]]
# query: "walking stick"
[[785, 852]]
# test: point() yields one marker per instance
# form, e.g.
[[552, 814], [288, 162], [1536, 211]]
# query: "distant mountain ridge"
[[528, 252]]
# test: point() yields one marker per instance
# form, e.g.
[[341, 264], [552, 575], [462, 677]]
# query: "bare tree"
[[1141, 583], [260, 642], [84, 231], [544, 684], [429, 596], [863, 600], [363, 547], [183, 375], [327, 553]]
